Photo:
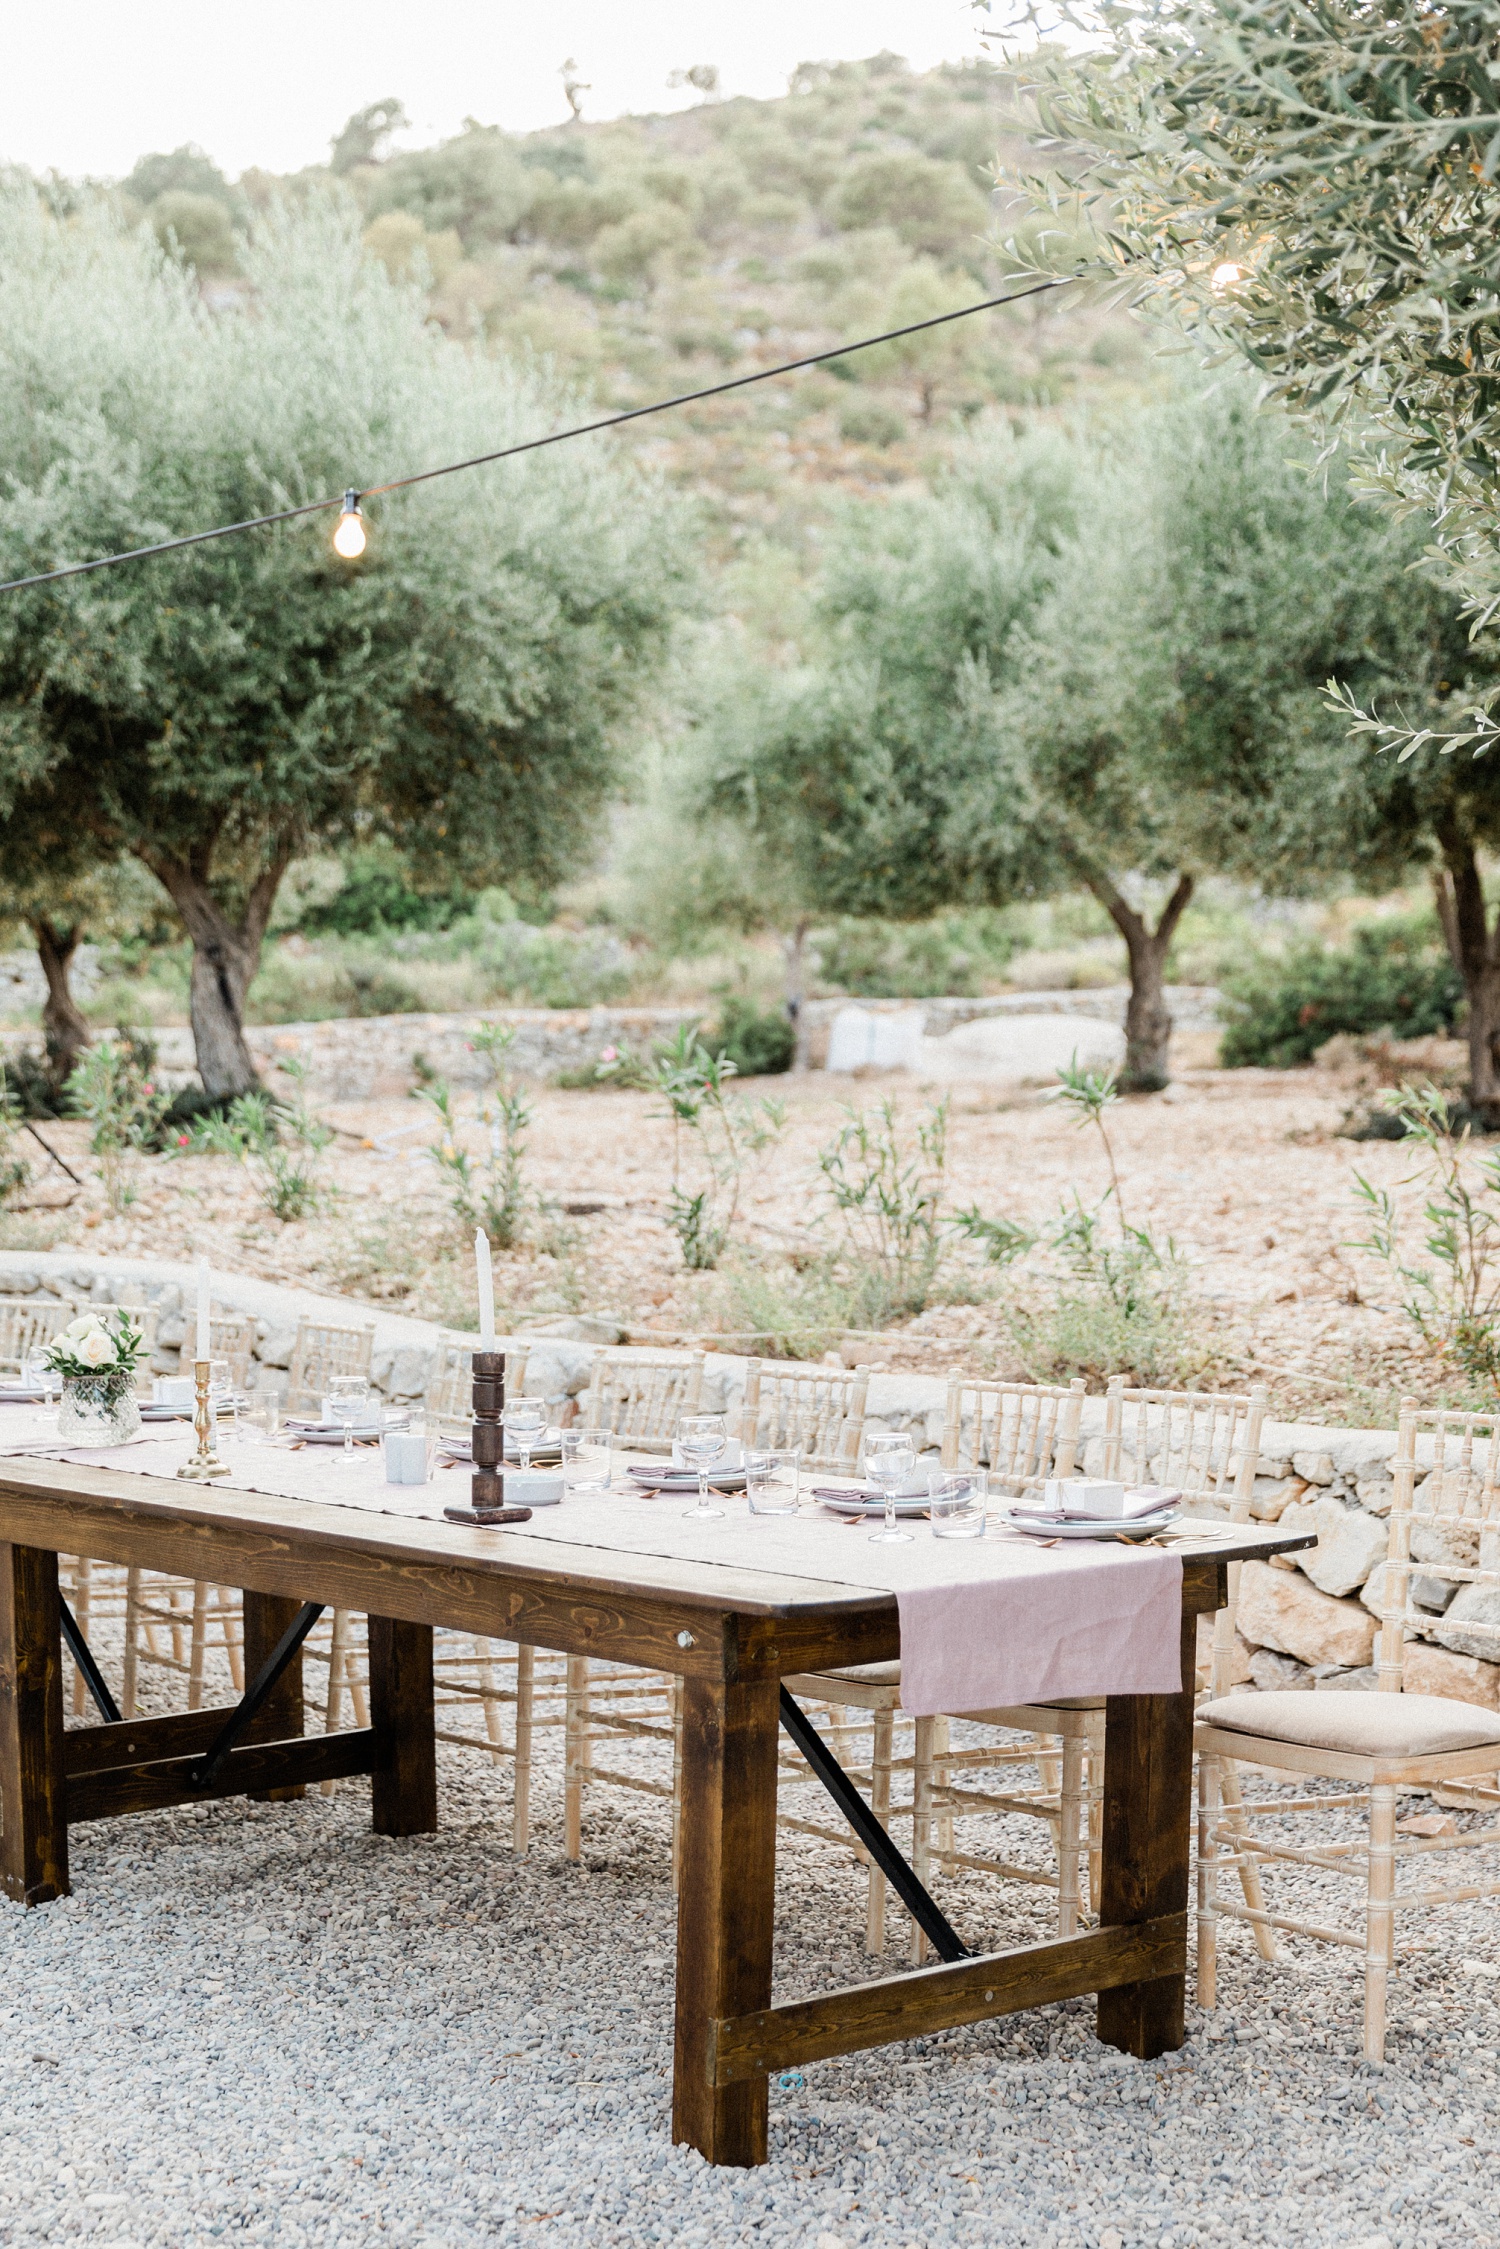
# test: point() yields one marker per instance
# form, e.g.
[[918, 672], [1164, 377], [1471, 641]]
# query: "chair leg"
[[576, 1722], [942, 1776], [677, 1702], [232, 1622], [1255, 1897], [82, 1589], [921, 1822], [520, 1818], [880, 1805], [132, 1638], [1209, 1783], [1095, 1801], [1380, 1916], [199, 1645], [1070, 1834]]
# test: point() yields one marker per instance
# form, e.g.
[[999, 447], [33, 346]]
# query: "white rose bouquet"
[[107, 1344]]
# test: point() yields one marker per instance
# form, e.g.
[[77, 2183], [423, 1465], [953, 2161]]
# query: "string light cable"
[[349, 537]]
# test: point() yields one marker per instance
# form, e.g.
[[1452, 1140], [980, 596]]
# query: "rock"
[[1350, 1543], [1268, 1499], [276, 1347], [1338, 1678], [1275, 1674], [1375, 1494], [1279, 1609], [1314, 1467], [1372, 1592], [1273, 1467], [557, 1368], [579, 1327], [1239, 1658], [1471, 1626], [1434, 1594], [1439, 1671]]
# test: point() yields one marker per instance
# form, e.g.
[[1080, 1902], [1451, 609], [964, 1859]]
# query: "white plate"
[[1144, 1526], [21, 1394], [542, 1456], [686, 1480], [320, 1433], [863, 1503]]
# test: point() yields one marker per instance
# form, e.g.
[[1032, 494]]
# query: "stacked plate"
[[545, 1453], [1038, 1525], [867, 1502], [320, 1432], [670, 1479], [21, 1394]]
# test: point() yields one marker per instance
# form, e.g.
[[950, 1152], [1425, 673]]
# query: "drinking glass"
[[957, 1505], [890, 1460], [525, 1419], [221, 1395], [259, 1421], [702, 1437], [772, 1480], [347, 1400], [586, 1460], [40, 1371]]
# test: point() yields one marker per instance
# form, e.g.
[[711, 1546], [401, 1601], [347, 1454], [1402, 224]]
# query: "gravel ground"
[[262, 2022]]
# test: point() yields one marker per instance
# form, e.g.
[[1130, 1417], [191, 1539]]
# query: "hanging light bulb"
[[349, 538]]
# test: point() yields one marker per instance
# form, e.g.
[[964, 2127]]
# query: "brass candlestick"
[[205, 1467]]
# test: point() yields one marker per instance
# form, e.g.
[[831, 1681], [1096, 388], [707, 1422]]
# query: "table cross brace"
[[918, 1901], [83, 1656], [209, 1766]]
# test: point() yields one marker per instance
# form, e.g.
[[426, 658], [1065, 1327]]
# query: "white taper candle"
[[486, 1289], [203, 1351]]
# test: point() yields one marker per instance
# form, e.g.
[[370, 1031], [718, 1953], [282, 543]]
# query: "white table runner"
[[985, 1622]]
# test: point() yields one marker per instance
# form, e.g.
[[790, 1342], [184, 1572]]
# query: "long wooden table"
[[731, 1634]]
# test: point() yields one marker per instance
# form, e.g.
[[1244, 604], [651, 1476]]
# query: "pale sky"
[[89, 85]]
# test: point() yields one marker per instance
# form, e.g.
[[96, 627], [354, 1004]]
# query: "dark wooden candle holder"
[[487, 1490]]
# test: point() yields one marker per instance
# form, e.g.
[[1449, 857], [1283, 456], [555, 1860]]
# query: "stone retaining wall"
[[363, 1058], [1306, 1621]]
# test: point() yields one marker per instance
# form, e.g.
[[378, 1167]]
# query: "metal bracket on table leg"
[[93, 1677], [210, 1764], [919, 1903]]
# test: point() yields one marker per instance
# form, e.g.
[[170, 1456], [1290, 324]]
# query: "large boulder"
[[1438, 1671], [1350, 1543], [1470, 1626], [1279, 1609]]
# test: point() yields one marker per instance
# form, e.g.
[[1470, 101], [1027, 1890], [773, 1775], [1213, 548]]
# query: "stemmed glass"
[[525, 1419], [890, 1459], [701, 1438], [221, 1394], [348, 1395]]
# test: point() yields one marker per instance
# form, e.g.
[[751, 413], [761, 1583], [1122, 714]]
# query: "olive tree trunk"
[[1148, 1021], [226, 955], [65, 1032], [794, 947], [1474, 949]]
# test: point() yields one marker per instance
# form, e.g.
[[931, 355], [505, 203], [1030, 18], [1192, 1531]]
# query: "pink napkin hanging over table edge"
[[1094, 1620]]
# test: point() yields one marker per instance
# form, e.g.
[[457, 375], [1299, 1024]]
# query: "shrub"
[[1396, 976], [760, 1045], [953, 955], [26, 1085]]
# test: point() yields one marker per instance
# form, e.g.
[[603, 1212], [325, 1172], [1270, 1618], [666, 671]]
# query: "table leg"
[[401, 1711], [1148, 1804], [726, 1906], [33, 1821], [267, 1617]]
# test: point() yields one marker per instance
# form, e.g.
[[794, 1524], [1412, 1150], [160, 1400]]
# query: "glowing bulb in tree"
[[349, 538]]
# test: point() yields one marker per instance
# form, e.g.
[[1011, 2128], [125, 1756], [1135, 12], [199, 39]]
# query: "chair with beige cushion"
[[1387, 1742], [476, 1677], [1204, 1444], [1018, 1433], [640, 1396]]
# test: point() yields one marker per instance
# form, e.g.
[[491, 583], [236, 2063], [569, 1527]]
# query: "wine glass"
[[525, 1419], [701, 1438], [348, 1397], [890, 1459]]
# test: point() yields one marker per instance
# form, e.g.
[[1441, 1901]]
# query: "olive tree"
[[461, 689]]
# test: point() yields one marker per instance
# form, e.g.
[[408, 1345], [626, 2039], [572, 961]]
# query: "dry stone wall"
[[1306, 1621]]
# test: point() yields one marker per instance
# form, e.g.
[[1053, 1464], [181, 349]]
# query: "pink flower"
[[148, 1089], [610, 1054], [182, 1139]]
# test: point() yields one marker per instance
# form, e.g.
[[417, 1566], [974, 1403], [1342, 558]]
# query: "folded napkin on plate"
[[1153, 1499]]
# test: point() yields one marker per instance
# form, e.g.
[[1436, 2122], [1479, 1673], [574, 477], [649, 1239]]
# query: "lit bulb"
[[349, 538], [1224, 277]]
